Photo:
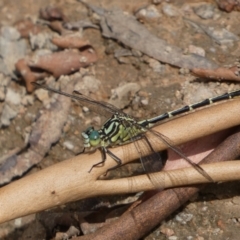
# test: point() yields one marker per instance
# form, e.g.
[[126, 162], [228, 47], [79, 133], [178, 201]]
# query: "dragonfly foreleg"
[[83, 151], [103, 153]]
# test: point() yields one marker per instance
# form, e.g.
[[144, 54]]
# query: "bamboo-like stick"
[[70, 180]]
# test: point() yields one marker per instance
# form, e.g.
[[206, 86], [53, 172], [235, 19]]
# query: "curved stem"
[[70, 181]]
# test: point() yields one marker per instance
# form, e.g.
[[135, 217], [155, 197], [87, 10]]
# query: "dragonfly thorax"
[[117, 130]]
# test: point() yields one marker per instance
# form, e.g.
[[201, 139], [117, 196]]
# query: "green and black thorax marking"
[[118, 130]]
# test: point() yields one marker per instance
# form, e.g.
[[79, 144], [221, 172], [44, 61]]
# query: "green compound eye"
[[94, 138]]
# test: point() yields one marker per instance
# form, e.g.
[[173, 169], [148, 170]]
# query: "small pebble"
[[68, 145], [18, 222], [196, 50], [27, 100], [168, 49], [120, 95], [13, 97], [173, 238], [149, 13], [167, 231], [8, 113], [145, 102], [85, 109], [183, 218], [169, 10], [11, 49], [10, 33], [204, 209], [88, 84], [42, 95], [136, 53], [184, 71], [205, 11], [156, 65]]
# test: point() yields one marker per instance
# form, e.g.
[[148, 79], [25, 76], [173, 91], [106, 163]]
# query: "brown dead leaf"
[[64, 62], [58, 63], [70, 41], [221, 73]]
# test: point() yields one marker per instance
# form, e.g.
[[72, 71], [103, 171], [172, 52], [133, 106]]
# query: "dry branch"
[[140, 220], [70, 181]]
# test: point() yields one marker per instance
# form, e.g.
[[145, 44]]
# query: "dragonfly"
[[122, 128]]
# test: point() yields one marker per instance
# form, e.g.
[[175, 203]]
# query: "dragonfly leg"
[[83, 151], [114, 157], [103, 152]]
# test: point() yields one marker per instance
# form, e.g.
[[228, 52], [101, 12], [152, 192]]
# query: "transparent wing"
[[151, 160], [99, 107], [173, 146], [82, 98]]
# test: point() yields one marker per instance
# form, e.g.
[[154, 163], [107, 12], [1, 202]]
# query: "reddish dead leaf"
[[65, 62], [59, 63], [70, 41], [221, 73], [27, 74], [229, 5]]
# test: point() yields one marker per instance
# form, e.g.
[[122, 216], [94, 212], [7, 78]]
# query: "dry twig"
[[70, 181]]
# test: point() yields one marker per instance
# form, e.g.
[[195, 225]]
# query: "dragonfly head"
[[91, 137]]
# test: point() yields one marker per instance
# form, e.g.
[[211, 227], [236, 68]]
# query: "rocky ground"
[[140, 61]]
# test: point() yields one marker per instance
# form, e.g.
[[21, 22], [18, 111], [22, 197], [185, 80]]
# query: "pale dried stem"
[[70, 181]]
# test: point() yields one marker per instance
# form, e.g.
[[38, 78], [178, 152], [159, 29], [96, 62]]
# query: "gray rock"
[[150, 12], [10, 33], [205, 11], [170, 11], [11, 50], [8, 113], [12, 105], [68, 145], [120, 95]]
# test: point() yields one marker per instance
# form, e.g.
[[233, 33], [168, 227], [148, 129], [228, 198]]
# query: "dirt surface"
[[141, 85]]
